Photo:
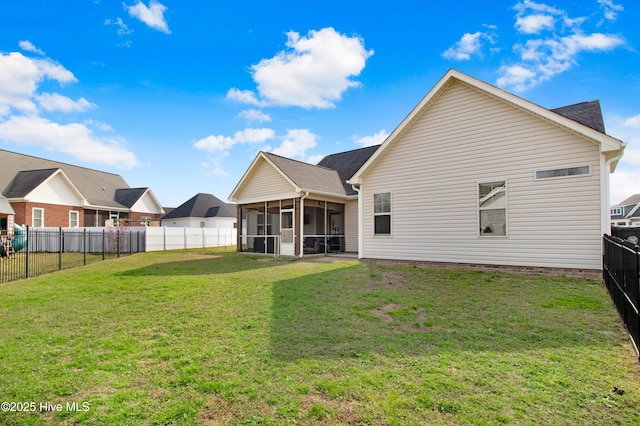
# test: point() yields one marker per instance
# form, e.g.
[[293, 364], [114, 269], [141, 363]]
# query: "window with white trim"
[[382, 214], [74, 219], [37, 217], [492, 208], [616, 211]]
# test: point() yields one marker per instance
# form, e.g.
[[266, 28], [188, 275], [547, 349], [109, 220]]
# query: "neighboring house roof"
[[5, 206], [97, 187], [347, 163], [565, 117], [587, 113], [202, 205], [630, 208], [128, 196], [26, 181]]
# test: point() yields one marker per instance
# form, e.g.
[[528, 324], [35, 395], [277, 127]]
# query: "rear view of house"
[[477, 175], [472, 175]]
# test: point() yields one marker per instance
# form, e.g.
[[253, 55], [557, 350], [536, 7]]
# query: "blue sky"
[[180, 96]]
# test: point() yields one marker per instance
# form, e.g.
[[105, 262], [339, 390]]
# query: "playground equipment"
[[16, 242]]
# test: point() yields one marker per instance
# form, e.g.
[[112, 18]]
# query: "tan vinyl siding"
[[351, 225], [263, 182], [467, 137]]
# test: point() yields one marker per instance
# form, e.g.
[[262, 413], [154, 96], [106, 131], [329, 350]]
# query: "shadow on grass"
[[355, 312], [212, 265]]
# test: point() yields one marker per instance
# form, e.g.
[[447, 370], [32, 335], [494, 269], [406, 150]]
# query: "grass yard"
[[208, 337]]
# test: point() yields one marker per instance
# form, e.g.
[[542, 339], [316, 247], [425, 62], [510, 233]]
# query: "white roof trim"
[[606, 142]]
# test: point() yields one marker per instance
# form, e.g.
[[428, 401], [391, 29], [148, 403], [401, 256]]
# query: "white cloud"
[[610, 9], [468, 45], [122, 28], [313, 72], [152, 15], [27, 46], [56, 102], [632, 122], [533, 24], [243, 96], [625, 181], [74, 139], [221, 144], [296, 143], [254, 115], [19, 79], [375, 139], [544, 57]]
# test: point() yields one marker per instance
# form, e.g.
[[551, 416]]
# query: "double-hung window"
[[382, 213], [73, 219], [37, 218], [492, 208]]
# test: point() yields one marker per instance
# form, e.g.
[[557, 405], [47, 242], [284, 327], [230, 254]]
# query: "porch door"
[[287, 241]]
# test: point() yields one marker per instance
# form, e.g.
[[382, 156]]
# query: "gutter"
[[357, 189]]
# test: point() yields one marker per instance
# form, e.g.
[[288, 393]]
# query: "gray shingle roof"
[[632, 200], [587, 113], [26, 181], [98, 187], [347, 163], [202, 205], [128, 196], [307, 176]]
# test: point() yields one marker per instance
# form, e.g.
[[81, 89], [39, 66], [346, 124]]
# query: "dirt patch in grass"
[[383, 313], [319, 407]]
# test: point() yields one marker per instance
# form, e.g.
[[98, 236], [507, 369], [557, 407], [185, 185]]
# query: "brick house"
[[49, 193]]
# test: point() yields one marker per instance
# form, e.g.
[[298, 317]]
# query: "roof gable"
[[290, 175], [48, 185], [606, 143]]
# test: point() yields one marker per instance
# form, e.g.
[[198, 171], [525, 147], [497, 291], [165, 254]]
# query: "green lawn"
[[211, 337]]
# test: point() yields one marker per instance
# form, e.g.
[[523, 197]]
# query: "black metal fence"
[[43, 250], [621, 274]]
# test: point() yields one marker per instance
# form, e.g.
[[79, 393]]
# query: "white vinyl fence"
[[132, 239], [169, 238]]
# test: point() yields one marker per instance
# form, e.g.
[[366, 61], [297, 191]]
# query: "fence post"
[[118, 240], [84, 246], [26, 260], [104, 244], [60, 242]]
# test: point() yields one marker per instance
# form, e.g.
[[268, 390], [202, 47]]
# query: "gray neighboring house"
[[201, 211], [627, 212]]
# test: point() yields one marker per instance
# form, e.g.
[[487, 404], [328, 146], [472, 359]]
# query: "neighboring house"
[[626, 213], [201, 211], [49, 193], [6, 214], [472, 175]]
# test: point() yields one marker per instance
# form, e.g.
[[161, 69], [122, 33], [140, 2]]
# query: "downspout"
[[302, 223], [606, 216], [357, 189]]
